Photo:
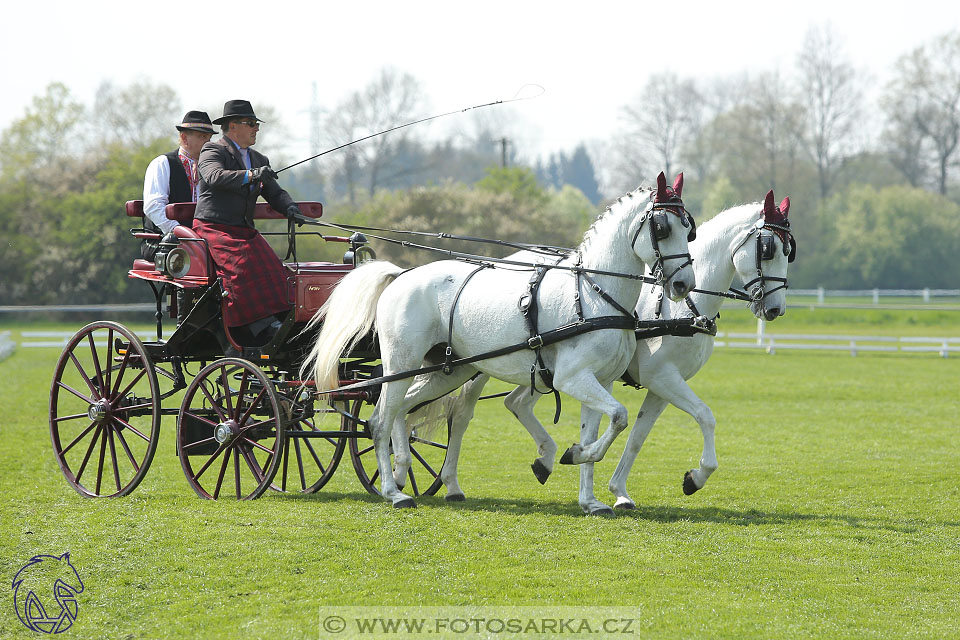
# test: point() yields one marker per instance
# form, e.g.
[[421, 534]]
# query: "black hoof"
[[567, 457], [454, 497], [540, 470], [689, 486], [626, 506], [605, 512], [406, 503]]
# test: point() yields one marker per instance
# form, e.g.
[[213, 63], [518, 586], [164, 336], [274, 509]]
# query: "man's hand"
[[294, 215], [258, 174], [169, 238]]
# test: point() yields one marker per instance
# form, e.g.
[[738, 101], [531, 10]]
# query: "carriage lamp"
[[359, 250], [177, 263]]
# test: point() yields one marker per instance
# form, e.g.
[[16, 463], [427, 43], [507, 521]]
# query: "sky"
[[591, 58]]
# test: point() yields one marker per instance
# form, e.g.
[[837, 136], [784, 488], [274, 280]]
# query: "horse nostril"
[[680, 287], [772, 314]]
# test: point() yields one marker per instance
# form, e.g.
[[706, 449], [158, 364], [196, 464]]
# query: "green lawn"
[[835, 513]]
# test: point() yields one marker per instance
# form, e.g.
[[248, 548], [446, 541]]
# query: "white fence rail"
[[927, 295], [854, 344]]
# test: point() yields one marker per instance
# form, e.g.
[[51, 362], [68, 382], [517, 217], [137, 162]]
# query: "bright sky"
[[591, 57]]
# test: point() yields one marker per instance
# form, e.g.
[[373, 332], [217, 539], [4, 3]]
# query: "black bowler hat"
[[196, 121], [237, 109]]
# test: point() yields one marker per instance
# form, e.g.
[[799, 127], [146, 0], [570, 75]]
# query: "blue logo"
[[45, 592]]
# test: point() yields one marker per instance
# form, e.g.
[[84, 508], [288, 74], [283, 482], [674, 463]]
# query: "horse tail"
[[347, 315]]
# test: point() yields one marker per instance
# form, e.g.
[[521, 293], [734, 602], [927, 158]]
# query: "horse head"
[[661, 238], [762, 264]]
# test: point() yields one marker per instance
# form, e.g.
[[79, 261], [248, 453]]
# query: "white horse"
[[474, 311], [752, 241]]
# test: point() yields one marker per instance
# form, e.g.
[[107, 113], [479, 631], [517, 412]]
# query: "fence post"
[[819, 295], [760, 325], [876, 296], [926, 294]]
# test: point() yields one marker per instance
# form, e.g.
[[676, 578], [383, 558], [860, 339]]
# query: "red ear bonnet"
[[678, 184], [661, 188], [785, 206], [769, 212]]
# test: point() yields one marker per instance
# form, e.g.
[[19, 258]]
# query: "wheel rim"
[[428, 454], [307, 460], [230, 434], [104, 411]]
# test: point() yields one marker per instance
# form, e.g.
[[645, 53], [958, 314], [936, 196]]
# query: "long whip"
[[410, 124]]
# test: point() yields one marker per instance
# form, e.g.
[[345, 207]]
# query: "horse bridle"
[[656, 213], [766, 246]]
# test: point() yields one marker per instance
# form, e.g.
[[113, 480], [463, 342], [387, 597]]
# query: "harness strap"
[[530, 310], [448, 354], [547, 338]]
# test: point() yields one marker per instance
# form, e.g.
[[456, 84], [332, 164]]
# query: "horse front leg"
[[520, 402], [585, 387], [653, 405], [677, 392]]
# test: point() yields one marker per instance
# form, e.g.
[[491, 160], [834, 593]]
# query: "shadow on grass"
[[646, 513]]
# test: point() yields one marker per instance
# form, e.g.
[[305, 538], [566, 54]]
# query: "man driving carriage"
[[232, 177]]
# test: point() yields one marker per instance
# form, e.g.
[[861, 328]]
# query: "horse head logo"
[[37, 579]]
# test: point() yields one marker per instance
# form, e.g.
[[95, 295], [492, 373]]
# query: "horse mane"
[[624, 204], [746, 214]]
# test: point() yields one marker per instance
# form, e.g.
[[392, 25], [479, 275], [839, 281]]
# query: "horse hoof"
[[454, 497], [625, 503], [567, 457], [540, 470], [406, 503], [689, 486], [603, 512]]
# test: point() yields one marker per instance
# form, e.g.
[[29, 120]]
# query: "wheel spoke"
[[126, 448], [251, 461], [131, 427], [363, 452], [246, 416], [113, 458], [77, 439], [424, 462], [236, 470], [216, 453], [226, 390], [70, 417], [429, 443], [216, 405], [244, 383], [303, 480], [376, 474], [83, 374], [199, 442], [108, 370], [103, 451], [223, 471], [120, 371], [96, 359], [201, 418], [123, 393], [86, 458], [413, 482], [258, 445]]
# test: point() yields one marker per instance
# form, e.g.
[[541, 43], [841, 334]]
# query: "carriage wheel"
[[428, 451], [307, 460], [104, 410], [230, 431]]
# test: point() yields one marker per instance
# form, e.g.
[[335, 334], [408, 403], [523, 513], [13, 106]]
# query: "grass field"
[[835, 513]]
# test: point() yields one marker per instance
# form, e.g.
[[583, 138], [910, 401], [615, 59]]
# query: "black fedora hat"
[[237, 109], [196, 121]]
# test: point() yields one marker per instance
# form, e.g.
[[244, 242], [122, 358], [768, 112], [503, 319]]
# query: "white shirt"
[[156, 192]]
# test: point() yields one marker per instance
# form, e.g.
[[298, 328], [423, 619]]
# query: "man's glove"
[[294, 215], [258, 174], [169, 238]]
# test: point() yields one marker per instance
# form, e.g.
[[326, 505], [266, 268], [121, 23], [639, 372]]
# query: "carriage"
[[245, 422]]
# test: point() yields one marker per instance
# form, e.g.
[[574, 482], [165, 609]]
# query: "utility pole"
[[314, 122], [503, 142]]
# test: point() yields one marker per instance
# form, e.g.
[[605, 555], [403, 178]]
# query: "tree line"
[[872, 179]]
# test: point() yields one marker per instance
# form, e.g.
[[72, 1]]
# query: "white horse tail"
[[347, 315]]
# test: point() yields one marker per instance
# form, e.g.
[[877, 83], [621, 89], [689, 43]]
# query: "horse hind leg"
[[653, 405], [389, 407], [461, 413], [520, 402], [585, 387], [589, 426]]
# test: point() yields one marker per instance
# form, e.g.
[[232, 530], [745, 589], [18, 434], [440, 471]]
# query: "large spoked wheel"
[[104, 410], [312, 451], [230, 431], [428, 452]]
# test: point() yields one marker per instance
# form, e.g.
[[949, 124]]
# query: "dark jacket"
[[222, 197]]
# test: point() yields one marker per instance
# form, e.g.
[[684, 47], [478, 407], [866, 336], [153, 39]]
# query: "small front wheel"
[[230, 431]]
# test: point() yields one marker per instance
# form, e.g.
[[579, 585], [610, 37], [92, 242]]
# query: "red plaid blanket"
[[252, 274]]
